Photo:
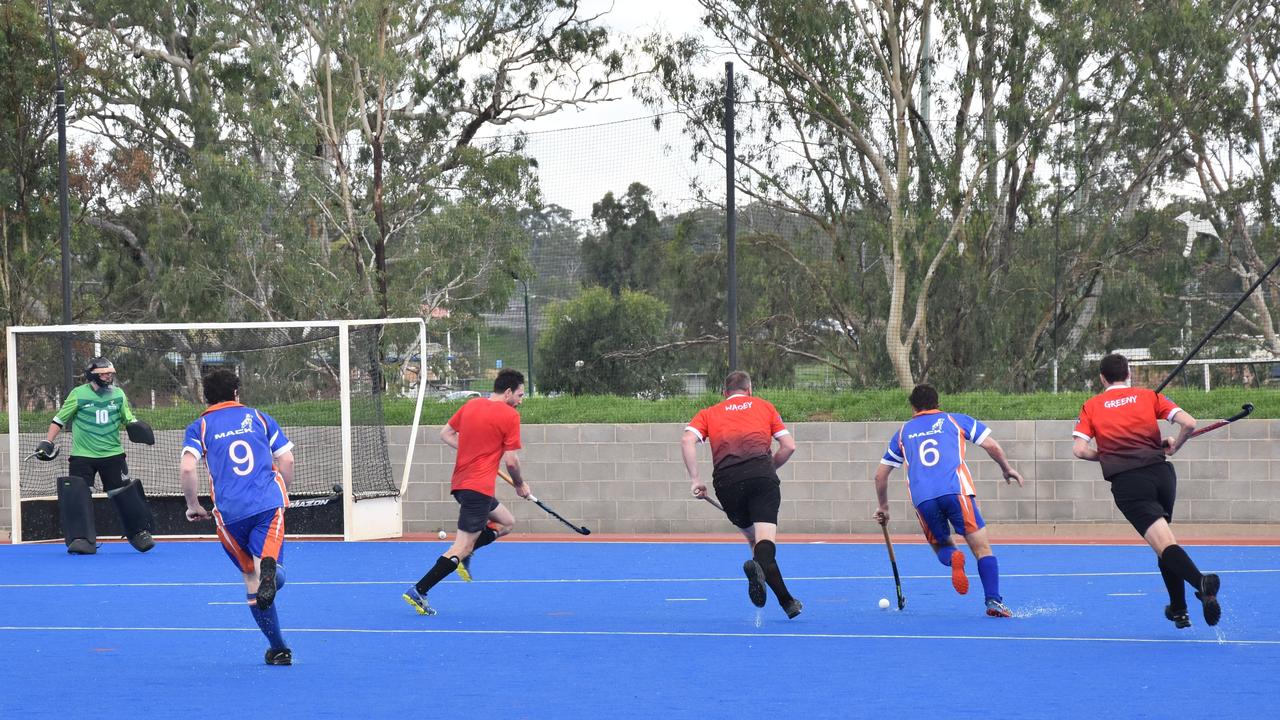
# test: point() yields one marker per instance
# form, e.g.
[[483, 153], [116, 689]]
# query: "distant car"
[[456, 395]]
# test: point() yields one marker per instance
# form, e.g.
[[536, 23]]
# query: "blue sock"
[[268, 621], [989, 569], [944, 554]]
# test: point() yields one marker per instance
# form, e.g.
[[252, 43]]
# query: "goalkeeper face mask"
[[101, 372]]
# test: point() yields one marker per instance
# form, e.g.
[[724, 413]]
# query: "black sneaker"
[[81, 546], [755, 582], [279, 656], [1179, 618], [266, 583], [1208, 597], [793, 608], [141, 541]]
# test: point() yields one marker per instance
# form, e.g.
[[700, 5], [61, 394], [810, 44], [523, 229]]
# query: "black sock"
[[487, 536], [1173, 583], [439, 571], [765, 552], [1181, 565]]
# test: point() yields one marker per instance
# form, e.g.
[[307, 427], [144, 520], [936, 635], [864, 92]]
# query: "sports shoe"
[[141, 541], [959, 580], [995, 608], [464, 569], [1208, 596], [1179, 618], [81, 546], [793, 608], [266, 583], [279, 656], [755, 582], [418, 601]]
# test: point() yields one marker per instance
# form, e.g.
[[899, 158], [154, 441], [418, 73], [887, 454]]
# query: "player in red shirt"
[[741, 430], [484, 431], [1122, 423]]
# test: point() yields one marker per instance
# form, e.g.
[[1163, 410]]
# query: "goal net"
[[330, 385]]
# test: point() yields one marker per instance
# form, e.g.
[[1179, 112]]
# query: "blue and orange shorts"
[[938, 515], [260, 535]]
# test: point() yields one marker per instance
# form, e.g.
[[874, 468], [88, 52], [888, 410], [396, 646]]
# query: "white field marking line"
[[1126, 594], [586, 581], [654, 633], [228, 603], [686, 599]]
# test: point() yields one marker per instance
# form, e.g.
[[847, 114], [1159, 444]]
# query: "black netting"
[[292, 373]]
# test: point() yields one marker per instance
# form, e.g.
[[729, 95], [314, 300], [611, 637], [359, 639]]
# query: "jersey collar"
[[1122, 385], [221, 406], [926, 412]]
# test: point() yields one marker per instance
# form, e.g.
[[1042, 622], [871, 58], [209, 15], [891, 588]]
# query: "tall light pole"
[[64, 206], [528, 333]]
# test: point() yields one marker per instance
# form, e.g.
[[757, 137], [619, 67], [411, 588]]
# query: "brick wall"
[[629, 478]]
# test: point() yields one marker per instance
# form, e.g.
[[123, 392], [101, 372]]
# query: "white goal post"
[[287, 348]]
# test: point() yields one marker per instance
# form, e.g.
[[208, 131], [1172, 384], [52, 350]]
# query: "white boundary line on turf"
[[656, 633], [605, 581]]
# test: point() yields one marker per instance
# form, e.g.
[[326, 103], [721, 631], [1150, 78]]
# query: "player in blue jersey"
[[931, 446], [250, 465]]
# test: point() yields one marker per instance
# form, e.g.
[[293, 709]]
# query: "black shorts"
[[473, 514], [751, 499], [112, 469], [1146, 494]]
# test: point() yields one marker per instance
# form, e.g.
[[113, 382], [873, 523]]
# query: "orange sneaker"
[[959, 580]]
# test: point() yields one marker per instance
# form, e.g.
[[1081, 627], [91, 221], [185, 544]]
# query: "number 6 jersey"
[[931, 447], [240, 444]]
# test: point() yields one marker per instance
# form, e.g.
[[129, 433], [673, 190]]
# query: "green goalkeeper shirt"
[[95, 419]]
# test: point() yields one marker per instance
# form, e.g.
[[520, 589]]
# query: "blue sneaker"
[[418, 601], [995, 608], [464, 569]]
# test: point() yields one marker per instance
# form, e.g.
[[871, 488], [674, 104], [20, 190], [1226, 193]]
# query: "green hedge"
[[794, 405]]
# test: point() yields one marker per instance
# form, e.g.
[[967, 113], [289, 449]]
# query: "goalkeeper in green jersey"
[[95, 413]]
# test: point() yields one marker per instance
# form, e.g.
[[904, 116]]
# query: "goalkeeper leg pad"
[[135, 516], [75, 511]]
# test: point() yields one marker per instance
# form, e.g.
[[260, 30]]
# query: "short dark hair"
[[508, 380], [737, 380], [924, 397], [220, 386], [1114, 367]]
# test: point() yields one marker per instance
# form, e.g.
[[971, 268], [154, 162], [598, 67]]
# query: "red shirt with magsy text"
[[740, 429], [1123, 422], [486, 429]]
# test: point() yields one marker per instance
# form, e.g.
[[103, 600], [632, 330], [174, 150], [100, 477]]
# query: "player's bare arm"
[[284, 464], [449, 436], [512, 462], [997, 455], [1082, 450], [191, 487], [881, 515], [1186, 425], [689, 452], [786, 448]]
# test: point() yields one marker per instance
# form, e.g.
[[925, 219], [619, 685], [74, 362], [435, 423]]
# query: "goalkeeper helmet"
[[98, 367]]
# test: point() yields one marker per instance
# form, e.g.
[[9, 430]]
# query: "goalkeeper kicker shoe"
[[141, 541], [418, 601]]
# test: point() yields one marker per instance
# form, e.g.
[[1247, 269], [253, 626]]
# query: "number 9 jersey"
[[240, 444], [931, 446]]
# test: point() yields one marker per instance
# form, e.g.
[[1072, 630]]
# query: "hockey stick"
[[714, 504], [581, 530], [897, 581], [1173, 373], [1244, 412]]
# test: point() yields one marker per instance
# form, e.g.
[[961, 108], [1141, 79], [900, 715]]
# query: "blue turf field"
[[607, 630]]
